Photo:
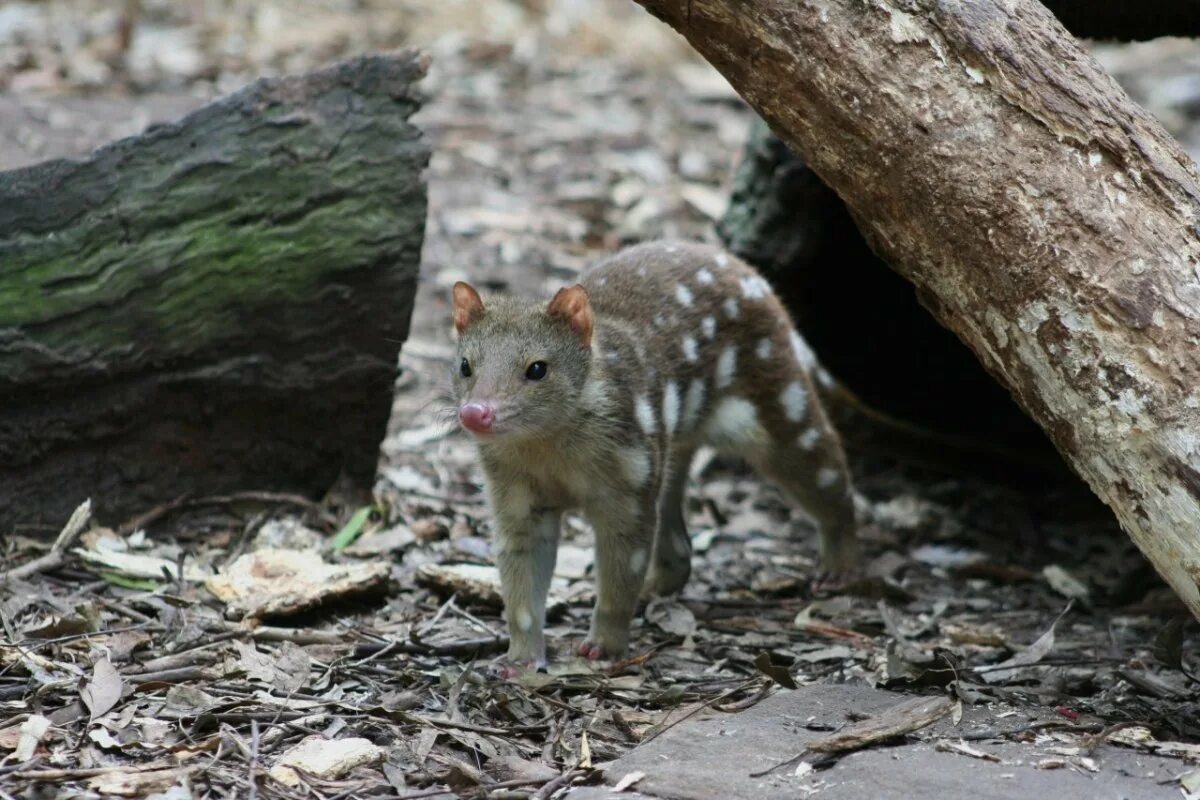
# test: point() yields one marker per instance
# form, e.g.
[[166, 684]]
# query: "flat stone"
[[714, 756]]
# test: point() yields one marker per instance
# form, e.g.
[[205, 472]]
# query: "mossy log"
[[216, 304], [1042, 216]]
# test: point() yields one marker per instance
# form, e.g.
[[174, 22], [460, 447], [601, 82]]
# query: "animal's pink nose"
[[477, 417]]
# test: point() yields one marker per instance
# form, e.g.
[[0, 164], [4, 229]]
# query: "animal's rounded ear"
[[572, 306], [468, 306]]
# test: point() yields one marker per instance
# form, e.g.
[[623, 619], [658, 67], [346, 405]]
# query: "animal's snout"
[[477, 417]]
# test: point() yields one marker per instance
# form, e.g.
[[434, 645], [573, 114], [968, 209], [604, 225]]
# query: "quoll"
[[598, 400]]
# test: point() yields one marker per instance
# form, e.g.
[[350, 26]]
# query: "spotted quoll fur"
[[598, 400]]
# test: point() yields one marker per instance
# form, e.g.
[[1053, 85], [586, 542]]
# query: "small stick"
[[699, 708], [56, 556], [182, 502], [252, 762], [556, 784]]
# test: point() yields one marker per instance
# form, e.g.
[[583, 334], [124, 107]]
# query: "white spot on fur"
[[755, 288], [726, 366], [804, 354], [704, 276], [671, 248], [637, 560], [595, 395], [709, 326], [642, 271], [824, 378], [827, 477], [683, 294], [692, 403], [659, 320], [524, 619], [794, 400], [810, 439], [635, 463], [689, 348], [644, 414], [731, 308], [603, 281], [670, 407], [722, 260], [763, 350], [734, 426]]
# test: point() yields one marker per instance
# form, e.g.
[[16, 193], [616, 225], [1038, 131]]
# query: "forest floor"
[[1002, 642]]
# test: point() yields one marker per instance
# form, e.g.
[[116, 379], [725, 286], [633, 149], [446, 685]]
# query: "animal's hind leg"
[[809, 465], [671, 563]]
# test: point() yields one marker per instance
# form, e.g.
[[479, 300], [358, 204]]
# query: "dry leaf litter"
[[267, 646]]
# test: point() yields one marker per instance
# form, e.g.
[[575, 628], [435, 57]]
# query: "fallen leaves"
[[32, 731], [103, 689]]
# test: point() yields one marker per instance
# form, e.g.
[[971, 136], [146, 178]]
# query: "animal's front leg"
[[527, 547], [624, 539]]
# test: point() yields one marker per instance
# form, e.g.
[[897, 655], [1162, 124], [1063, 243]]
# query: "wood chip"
[[902, 718], [325, 759], [277, 582]]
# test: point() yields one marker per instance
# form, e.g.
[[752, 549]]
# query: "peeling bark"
[[1048, 221]]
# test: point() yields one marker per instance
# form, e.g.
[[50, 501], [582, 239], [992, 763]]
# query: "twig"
[[56, 556], [1090, 743], [462, 647], [441, 612], [184, 502], [466, 726], [252, 762], [90, 772], [902, 718], [267, 633], [556, 784], [176, 675], [1005, 733], [426, 793], [701, 707]]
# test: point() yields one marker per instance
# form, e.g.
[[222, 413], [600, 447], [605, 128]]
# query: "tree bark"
[[1043, 216], [215, 305], [783, 219]]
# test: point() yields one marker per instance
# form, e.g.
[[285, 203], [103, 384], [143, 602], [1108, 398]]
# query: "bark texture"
[[214, 305], [1042, 215]]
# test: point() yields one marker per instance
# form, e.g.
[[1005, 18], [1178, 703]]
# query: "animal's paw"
[[590, 650], [593, 649], [827, 583], [837, 581], [509, 669]]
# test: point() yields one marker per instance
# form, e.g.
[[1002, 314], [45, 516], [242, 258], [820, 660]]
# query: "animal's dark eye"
[[536, 371], [464, 368]]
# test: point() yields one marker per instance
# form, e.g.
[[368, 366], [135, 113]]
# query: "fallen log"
[[214, 305], [1042, 215]]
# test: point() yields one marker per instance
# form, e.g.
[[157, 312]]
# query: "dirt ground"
[[561, 131]]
